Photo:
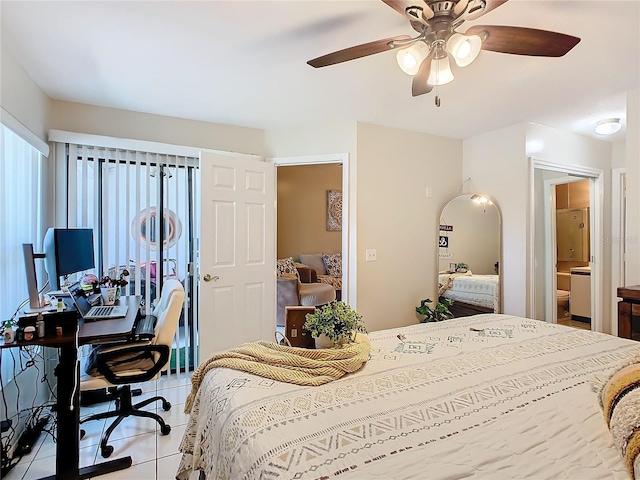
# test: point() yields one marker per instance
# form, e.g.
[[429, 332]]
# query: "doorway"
[[347, 235], [555, 269]]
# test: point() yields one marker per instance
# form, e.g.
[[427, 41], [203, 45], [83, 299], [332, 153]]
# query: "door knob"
[[207, 277]]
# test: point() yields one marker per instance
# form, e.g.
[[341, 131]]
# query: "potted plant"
[[334, 324], [437, 314], [110, 287], [462, 267]]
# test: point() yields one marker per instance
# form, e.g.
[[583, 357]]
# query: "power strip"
[[30, 436]]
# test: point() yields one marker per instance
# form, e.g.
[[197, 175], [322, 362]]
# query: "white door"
[[237, 251]]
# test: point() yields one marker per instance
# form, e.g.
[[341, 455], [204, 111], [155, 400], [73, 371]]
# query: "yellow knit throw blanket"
[[295, 365]]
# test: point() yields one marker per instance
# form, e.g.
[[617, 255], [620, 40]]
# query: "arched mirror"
[[469, 255]]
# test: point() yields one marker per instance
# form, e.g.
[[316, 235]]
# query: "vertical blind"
[[140, 206]]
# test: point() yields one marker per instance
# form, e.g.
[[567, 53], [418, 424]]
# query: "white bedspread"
[[511, 401], [482, 290]]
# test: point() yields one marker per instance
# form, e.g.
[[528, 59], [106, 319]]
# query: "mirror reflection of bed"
[[470, 225]]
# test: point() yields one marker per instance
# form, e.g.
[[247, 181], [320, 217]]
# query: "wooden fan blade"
[[401, 7], [460, 7], [357, 51], [490, 5], [419, 85], [523, 41]]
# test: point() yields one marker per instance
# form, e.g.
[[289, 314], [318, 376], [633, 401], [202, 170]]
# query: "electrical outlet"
[[370, 255]]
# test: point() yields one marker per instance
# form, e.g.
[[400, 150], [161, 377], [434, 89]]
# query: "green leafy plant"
[[437, 314], [462, 266], [336, 320]]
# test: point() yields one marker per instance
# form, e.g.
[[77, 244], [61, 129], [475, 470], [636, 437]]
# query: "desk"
[[68, 398], [630, 296]]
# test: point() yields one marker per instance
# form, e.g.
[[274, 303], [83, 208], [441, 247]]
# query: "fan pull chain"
[[437, 97]]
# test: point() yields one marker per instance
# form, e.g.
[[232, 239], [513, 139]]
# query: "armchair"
[[121, 365], [305, 291]]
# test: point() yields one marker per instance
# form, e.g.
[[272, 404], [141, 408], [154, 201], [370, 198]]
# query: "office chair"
[[137, 361]]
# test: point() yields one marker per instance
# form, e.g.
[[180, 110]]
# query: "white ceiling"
[[244, 63]]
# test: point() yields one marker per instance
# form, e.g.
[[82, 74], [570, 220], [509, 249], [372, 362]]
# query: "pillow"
[[286, 265], [333, 264], [619, 397], [314, 260]]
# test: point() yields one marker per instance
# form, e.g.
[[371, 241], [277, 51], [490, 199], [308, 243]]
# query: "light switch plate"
[[370, 255]]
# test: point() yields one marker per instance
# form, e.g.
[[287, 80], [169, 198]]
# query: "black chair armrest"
[[116, 379]]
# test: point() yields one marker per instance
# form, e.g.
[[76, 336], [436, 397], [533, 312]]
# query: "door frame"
[[617, 240], [348, 213], [596, 220]]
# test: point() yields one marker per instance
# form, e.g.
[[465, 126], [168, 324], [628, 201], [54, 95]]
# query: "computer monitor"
[[67, 251]]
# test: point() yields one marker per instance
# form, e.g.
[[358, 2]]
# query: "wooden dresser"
[[627, 307]]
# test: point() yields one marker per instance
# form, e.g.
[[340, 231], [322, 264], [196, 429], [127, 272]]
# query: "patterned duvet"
[[513, 400]]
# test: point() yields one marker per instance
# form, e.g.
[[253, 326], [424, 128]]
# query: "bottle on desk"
[[40, 325], [9, 333]]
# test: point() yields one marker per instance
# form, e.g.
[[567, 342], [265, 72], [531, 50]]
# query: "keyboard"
[[102, 311]]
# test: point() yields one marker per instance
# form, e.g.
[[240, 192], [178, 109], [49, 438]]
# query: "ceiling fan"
[[426, 56]]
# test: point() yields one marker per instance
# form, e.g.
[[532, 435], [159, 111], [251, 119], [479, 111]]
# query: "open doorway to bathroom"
[[567, 220], [573, 251]]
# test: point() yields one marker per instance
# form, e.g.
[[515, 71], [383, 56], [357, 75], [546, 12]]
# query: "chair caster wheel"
[[82, 433], [166, 406], [106, 451], [165, 430]]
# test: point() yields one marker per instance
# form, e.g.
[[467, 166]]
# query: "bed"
[[490, 396], [472, 294]]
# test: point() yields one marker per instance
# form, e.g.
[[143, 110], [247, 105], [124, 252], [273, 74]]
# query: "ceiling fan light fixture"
[[608, 126], [410, 58], [464, 48], [440, 73]]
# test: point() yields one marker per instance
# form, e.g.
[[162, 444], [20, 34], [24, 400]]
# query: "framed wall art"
[[334, 210]]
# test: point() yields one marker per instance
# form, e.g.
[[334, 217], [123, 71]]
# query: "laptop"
[[99, 312]]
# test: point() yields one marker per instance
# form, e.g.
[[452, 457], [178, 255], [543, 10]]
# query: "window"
[[21, 181]]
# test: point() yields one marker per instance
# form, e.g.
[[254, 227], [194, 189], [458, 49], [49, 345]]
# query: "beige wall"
[[302, 209], [396, 218], [112, 122], [22, 98]]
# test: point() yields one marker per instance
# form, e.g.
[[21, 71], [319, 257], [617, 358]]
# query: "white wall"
[[397, 219], [633, 188], [339, 137], [497, 164]]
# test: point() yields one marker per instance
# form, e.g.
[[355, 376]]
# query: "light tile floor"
[[155, 456]]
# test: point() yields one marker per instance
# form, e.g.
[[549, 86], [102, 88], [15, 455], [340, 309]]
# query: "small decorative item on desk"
[[8, 332], [89, 282], [334, 324], [110, 287]]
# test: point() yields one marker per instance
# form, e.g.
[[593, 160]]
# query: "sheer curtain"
[[21, 211]]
